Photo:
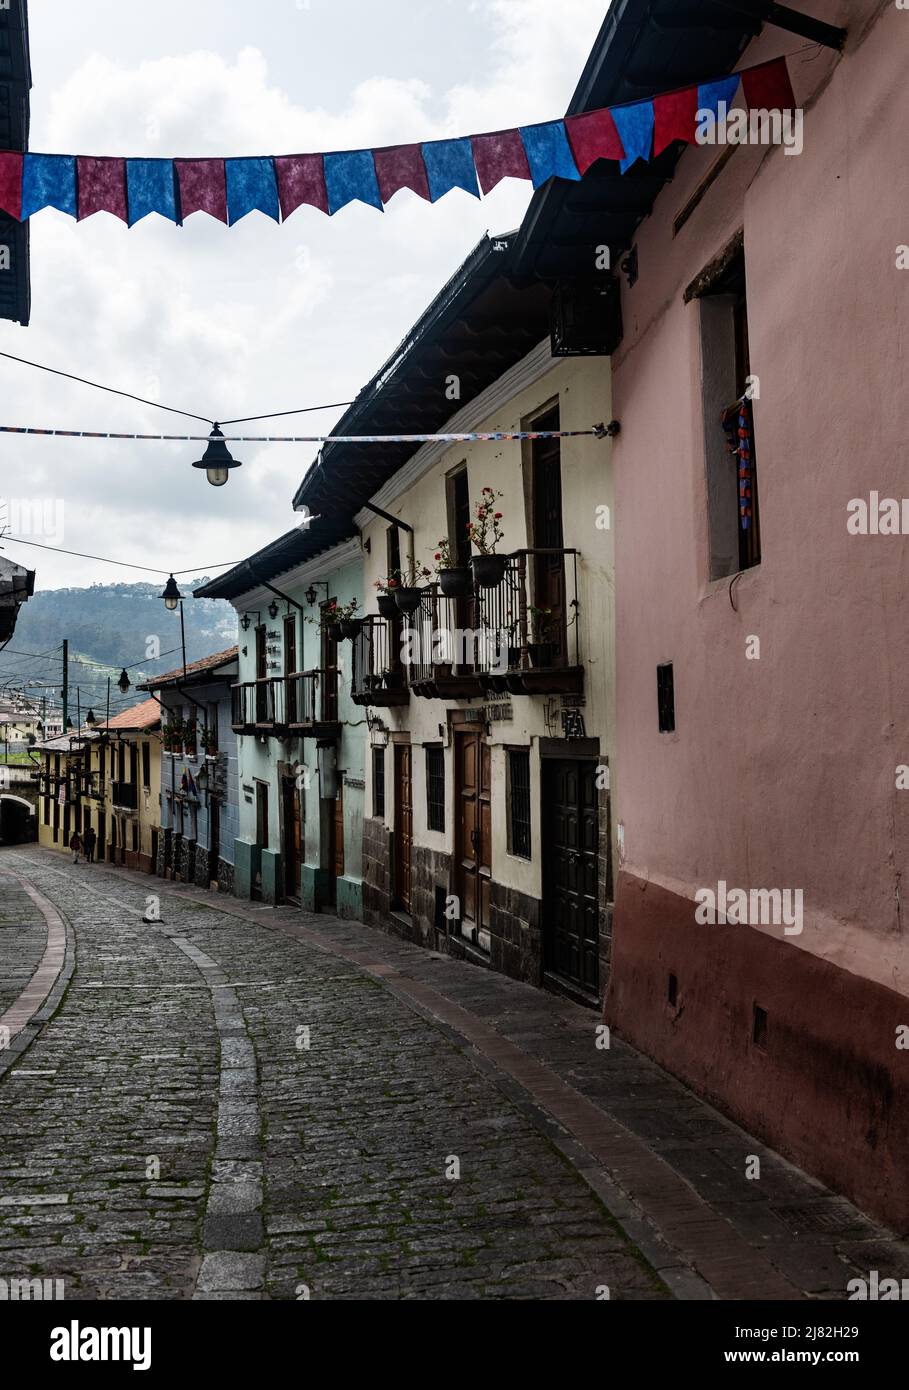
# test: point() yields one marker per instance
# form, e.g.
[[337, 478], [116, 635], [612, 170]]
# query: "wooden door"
[[290, 667], [339, 831], [403, 825], [570, 821], [214, 838], [329, 678], [473, 829], [548, 569], [261, 673], [293, 837]]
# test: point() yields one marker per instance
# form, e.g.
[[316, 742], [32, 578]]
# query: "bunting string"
[[597, 431], [229, 189]]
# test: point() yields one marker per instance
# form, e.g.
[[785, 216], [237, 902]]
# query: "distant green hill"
[[108, 626]]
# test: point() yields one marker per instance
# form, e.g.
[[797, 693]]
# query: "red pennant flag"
[[301, 179], [499, 156], [768, 88], [202, 187], [593, 136], [102, 186], [401, 166], [11, 184], [674, 118]]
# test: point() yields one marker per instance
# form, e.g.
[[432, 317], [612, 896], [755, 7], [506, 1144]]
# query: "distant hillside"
[[110, 624]]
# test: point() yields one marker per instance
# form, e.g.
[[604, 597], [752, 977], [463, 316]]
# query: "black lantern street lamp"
[[171, 595], [311, 595], [90, 719], [123, 683], [217, 459], [245, 621], [273, 610]]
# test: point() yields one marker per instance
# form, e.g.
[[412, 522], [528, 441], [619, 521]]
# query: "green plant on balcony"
[[407, 592], [454, 579]]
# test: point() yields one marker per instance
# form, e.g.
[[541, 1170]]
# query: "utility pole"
[[108, 700], [65, 682]]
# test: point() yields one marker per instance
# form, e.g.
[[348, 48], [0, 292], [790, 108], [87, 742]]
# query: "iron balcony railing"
[[300, 701], [377, 670], [125, 794]]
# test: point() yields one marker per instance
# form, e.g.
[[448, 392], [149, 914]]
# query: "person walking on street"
[[75, 844], [90, 840]]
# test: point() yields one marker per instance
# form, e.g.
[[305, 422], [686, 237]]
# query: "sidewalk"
[[668, 1166]]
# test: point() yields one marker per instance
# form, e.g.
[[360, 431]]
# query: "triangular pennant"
[[401, 166], [674, 118], [449, 164], [635, 127], [150, 188], [301, 179], [548, 152], [202, 187], [499, 156], [768, 87], [102, 187], [48, 181], [351, 177], [11, 184], [251, 187], [593, 136], [711, 94]]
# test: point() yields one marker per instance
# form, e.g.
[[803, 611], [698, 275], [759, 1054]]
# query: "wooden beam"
[[784, 18]]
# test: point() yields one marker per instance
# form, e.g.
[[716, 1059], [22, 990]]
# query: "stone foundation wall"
[[516, 932], [225, 876], [376, 872], [430, 869], [201, 875]]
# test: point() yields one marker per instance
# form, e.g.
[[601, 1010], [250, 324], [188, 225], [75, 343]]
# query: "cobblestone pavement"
[[22, 937], [218, 1110]]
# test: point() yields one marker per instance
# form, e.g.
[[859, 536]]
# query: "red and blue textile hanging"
[[738, 423], [228, 189]]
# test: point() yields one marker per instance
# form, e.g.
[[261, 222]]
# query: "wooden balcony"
[[378, 675], [124, 795], [301, 705], [440, 646], [530, 642]]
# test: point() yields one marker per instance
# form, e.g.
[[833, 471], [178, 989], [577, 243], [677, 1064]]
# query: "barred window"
[[519, 802], [666, 698], [435, 788], [378, 783]]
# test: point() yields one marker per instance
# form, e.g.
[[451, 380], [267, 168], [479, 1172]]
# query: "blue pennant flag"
[[350, 176], [251, 186], [548, 152], [449, 164], [150, 188], [710, 94], [48, 181], [635, 126]]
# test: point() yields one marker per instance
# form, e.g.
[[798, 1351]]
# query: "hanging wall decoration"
[[228, 189]]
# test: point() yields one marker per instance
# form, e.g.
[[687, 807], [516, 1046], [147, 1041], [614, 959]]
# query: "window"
[[378, 783], [146, 764], [435, 787], [666, 698], [519, 802], [727, 389]]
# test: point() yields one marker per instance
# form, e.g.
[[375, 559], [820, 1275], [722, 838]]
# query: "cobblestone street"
[[239, 1102]]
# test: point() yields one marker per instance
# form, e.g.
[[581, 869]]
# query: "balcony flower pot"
[[349, 627], [488, 570], [334, 632], [393, 680], [540, 653], [455, 582], [408, 600], [387, 606]]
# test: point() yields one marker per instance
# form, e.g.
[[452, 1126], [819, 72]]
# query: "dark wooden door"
[[101, 847], [293, 837], [339, 831], [214, 838], [403, 825], [548, 569], [570, 821], [261, 674], [290, 666], [329, 677], [473, 828]]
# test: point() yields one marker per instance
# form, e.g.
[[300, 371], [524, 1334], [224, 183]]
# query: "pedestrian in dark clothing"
[[75, 844], [90, 842]]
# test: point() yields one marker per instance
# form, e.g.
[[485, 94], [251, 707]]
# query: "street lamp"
[[123, 683], [171, 595], [244, 622], [273, 610], [217, 459], [90, 720]]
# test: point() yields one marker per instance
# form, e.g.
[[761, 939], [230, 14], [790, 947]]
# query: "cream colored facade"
[[420, 495]]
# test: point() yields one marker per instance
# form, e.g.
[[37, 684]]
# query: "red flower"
[[498, 516], [437, 556]]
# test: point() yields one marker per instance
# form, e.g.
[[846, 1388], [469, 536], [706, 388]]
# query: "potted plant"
[[485, 532], [331, 622], [454, 580], [210, 742], [189, 737], [346, 619], [407, 595], [386, 598], [541, 647]]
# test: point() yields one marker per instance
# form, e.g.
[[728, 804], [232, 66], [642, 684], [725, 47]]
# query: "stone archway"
[[18, 820]]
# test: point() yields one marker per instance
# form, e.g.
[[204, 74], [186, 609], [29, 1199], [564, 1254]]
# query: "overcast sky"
[[259, 317]]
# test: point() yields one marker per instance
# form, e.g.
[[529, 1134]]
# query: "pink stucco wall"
[[782, 771]]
